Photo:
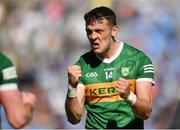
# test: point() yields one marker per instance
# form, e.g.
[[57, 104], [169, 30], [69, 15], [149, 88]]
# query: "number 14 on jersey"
[[109, 74]]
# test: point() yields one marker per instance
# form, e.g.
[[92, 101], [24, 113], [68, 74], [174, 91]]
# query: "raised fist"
[[74, 74], [123, 88]]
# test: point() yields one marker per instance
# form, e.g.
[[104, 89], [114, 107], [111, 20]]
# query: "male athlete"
[[18, 106], [113, 81]]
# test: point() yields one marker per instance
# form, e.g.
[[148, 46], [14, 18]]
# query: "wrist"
[[132, 98], [72, 92]]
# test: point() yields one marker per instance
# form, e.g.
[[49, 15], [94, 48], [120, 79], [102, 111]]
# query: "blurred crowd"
[[43, 37]]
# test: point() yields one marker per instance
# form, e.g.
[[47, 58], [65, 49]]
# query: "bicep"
[[144, 90], [81, 94], [11, 99]]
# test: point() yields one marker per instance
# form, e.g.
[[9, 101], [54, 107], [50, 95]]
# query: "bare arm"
[[74, 102], [142, 106], [74, 106], [18, 107]]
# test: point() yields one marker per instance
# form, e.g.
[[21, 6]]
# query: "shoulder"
[[135, 52], [89, 58], [132, 49]]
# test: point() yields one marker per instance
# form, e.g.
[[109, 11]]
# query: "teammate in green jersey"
[[113, 81], [18, 105]]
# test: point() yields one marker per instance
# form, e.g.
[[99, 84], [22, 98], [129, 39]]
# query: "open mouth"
[[95, 45]]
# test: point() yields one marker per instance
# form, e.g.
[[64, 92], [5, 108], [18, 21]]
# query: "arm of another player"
[[18, 106], [75, 97]]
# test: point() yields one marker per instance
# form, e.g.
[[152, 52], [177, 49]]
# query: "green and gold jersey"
[[8, 76], [99, 77]]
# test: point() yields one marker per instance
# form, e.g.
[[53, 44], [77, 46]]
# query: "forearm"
[[142, 108], [144, 99], [21, 116], [75, 96], [73, 110]]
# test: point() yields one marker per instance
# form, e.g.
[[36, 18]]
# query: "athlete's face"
[[101, 36]]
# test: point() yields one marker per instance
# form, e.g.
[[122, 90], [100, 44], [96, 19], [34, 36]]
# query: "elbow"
[[147, 114], [73, 116], [74, 119], [144, 115], [18, 121], [17, 126]]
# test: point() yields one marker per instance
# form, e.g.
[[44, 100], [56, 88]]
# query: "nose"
[[93, 36]]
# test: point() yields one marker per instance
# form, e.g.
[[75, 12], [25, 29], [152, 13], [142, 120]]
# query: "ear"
[[115, 30]]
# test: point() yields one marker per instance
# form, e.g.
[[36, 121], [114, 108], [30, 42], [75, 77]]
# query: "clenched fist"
[[74, 74], [123, 88]]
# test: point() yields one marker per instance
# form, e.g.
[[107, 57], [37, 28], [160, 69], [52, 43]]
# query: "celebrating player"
[[113, 80], [18, 105]]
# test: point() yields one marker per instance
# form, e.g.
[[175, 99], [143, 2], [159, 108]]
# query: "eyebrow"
[[89, 30]]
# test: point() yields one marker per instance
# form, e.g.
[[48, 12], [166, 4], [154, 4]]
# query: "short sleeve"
[[8, 75], [145, 70]]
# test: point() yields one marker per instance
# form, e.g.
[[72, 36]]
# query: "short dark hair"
[[100, 13]]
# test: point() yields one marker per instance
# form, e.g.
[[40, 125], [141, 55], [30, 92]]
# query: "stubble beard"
[[102, 52]]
